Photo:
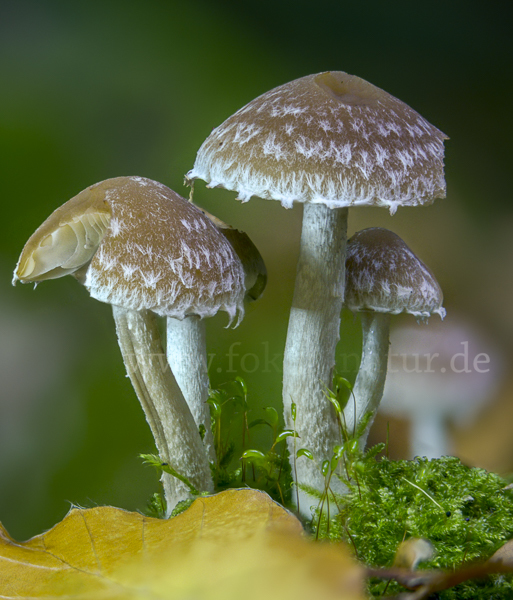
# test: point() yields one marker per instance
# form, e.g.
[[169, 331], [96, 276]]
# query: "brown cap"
[[137, 244], [330, 138], [383, 275]]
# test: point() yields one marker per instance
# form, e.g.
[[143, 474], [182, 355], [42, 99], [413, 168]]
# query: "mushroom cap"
[[137, 244], [433, 369], [329, 138], [384, 275]]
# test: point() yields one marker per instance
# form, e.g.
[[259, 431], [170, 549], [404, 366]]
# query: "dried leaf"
[[237, 544], [412, 552], [504, 554]]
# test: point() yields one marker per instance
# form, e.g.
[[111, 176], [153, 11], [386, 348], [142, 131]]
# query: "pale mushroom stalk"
[[167, 413], [186, 339], [383, 278], [313, 333], [370, 382], [187, 357], [428, 435]]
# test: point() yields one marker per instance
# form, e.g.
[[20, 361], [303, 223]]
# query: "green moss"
[[465, 512], [181, 507]]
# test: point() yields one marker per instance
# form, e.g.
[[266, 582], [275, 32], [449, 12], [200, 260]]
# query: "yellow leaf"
[[237, 544]]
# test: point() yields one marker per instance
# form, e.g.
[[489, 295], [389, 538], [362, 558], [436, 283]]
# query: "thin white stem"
[[313, 333], [370, 381], [428, 434], [187, 357], [174, 430]]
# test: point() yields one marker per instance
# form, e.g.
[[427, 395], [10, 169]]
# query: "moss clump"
[[465, 512]]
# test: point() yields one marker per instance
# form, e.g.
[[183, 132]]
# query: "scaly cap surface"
[[384, 275], [329, 138]]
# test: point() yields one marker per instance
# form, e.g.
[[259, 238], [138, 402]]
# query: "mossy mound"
[[466, 513]]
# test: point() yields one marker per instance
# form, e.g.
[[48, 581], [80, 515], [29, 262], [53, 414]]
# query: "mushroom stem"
[[187, 357], [313, 333], [428, 435], [171, 422], [370, 381]]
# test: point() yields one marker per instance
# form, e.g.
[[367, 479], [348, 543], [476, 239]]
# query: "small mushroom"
[[331, 141], [383, 278], [139, 246], [444, 375]]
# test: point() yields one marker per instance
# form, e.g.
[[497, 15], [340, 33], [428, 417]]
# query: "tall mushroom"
[[139, 246], [383, 278], [330, 141]]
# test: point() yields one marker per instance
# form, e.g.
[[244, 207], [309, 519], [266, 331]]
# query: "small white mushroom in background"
[[331, 141], [441, 374], [139, 246], [383, 278]]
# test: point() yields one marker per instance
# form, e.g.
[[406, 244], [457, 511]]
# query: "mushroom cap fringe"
[[384, 275], [329, 138], [137, 244]]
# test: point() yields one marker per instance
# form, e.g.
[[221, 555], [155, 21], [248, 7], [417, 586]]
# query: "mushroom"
[[331, 141], [139, 246], [186, 338], [445, 375], [383, 278]]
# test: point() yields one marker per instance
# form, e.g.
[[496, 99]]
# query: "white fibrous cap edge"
[[420, 315], [175, 303], [345, 196], [124, 297]]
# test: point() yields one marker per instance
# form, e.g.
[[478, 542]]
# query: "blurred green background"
[[94, 90]]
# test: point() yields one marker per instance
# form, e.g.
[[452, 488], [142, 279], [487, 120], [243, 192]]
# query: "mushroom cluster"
[[139, 246], [329, 141]]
